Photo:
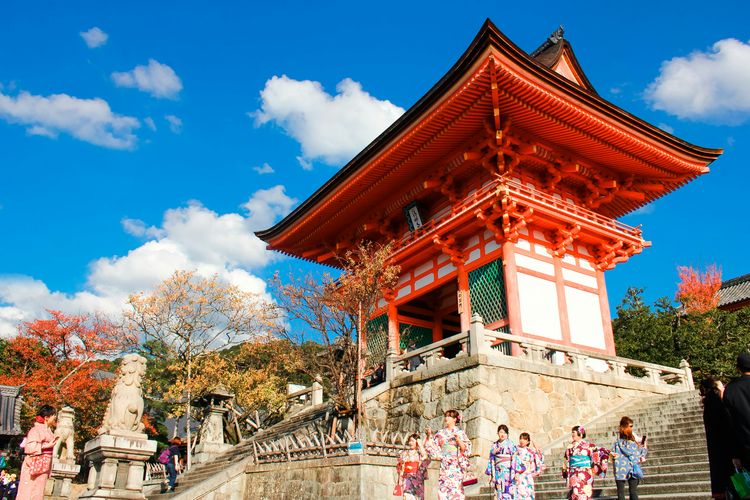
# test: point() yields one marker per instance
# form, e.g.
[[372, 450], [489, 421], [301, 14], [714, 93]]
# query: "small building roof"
[[734, 291], [10, 410]]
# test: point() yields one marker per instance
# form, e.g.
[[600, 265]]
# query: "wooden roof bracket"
[[449, 247]]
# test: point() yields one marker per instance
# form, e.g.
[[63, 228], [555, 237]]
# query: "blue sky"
[[164, 137]]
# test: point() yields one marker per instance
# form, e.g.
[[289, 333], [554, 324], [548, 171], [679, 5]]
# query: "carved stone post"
[[317, 393], [117, 456], [689, 383], [64, 468], [390, 365], [477, 341]]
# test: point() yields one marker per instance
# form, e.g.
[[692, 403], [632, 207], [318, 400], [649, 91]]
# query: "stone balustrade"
[[480, 341]]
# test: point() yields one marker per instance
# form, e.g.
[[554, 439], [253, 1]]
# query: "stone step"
[[650, 468], [702, 488], [658, 479]]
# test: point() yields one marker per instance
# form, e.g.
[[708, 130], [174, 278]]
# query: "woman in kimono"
[[583, 461], [526, 463], [38, 443], [498, 467], [628, 455], [452, 447], [412, 469]]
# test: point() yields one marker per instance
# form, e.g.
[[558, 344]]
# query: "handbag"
[[398, 491], [637, 472], [741, 483], [39, 464]]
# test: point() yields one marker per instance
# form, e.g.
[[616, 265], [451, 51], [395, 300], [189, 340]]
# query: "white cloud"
[[94, 37], [150, 123], [90, 120], [666, 128], [331, 128], [644, 210], [265, 169], [713, 86], [137, 227], [175, 124], [190, 237], [156, 78]]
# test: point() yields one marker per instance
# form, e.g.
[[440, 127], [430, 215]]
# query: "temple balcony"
[[506, 207]]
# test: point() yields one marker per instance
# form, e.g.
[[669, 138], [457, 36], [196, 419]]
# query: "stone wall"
[[339, 478], [544, 400]]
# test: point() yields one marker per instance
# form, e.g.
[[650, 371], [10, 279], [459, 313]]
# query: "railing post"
[[317, 394], [579, 361], [477, 340], [618, 367], [688, 374], [390, 365], [654, 375]]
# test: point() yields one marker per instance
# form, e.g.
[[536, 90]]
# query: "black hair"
[[578, 429], [503, 427], [45, 411]]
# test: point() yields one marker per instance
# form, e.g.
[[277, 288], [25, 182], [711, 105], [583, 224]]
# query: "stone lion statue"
[[125, 408], [64, 448]]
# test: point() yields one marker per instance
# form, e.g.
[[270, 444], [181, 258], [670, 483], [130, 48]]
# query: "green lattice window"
[[377, 339], [420, 336], [487, 292]]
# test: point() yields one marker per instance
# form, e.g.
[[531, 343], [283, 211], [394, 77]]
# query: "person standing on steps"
[[452, 447], [174, 461], [498, 467], [737, 402], [628, 454], [411, 469], [583, 461], [717, 423], [526, 464]]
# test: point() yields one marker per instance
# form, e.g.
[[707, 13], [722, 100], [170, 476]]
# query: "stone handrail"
[[427, 356], [309, 396], [480, 341]]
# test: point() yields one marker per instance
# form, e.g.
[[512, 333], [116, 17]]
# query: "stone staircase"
[[677, 462], [219, 478]]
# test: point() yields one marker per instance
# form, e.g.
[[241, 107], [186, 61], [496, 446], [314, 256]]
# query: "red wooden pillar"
[[464, 300], [394, 335], [512, 300]]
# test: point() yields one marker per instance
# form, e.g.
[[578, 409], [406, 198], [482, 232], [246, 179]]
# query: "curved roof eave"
[[489, 36]]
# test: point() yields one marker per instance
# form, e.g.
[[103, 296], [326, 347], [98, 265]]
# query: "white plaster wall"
[[580, 278], [535, 264], [540, 314], [584, 318]]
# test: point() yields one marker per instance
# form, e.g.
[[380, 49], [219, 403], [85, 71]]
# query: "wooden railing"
[[479, 340]]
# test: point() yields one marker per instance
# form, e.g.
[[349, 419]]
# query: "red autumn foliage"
[[55, 360], [698, 292]]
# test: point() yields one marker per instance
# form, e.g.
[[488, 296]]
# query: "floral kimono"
[[412, 471], [627, 455], [525, 465], [453, 464], [583, 461], [498, 468]]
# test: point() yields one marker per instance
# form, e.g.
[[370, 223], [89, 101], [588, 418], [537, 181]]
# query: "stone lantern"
[[211, 442]]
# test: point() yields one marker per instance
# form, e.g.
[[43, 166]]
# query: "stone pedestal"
[[117, 462], [212, 436], [60, 479]]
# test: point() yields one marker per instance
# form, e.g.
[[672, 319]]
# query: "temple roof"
[[734, 291], [547, 96], [556, 53]]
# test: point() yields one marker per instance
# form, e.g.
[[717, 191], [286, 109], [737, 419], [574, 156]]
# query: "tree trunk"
[[187, 408]]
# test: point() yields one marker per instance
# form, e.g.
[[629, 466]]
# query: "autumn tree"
[[186, 318], [698, 292], [332, 313], [60, 360]]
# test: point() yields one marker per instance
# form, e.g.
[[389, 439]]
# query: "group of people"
[[8, 486], [512, 467], [726, 417]]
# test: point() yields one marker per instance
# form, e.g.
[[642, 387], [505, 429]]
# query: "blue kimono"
[[498, 467], [627, 455]]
